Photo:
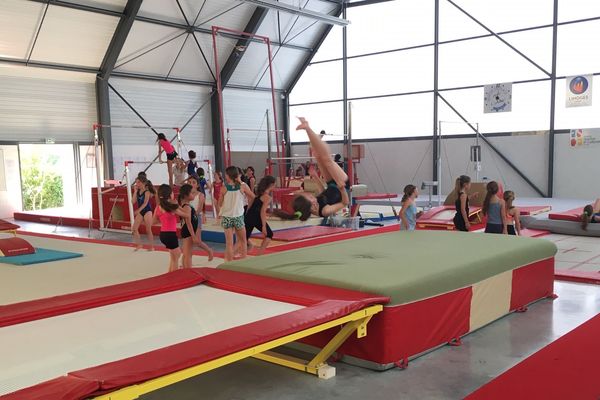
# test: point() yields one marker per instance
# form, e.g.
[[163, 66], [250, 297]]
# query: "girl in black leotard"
[[191, 229], [142, 211], [334, 196], [256, 216], [461, 218]]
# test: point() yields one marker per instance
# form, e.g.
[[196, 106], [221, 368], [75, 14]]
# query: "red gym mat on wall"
[[565, 369]]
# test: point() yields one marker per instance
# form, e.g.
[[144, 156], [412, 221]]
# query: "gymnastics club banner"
[[580, 138], [579, 91]]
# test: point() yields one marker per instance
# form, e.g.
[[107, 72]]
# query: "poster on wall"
[[580, 138], [579, 91], [497, 98]]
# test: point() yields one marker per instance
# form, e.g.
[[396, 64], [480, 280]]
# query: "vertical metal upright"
[[551, 133], [345, 90], [435, 144]]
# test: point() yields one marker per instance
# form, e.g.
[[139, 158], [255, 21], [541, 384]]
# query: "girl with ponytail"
[[192, 225], [167, 212], [591, 214], [461, 218], [495, 209], [408, 213]]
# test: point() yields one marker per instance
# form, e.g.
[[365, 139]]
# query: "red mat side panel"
[[533, 210], [63, 388], [376, 196], [8, 226], [15, 246], [525, 232], [577, 276], [532, 282], [406, 330], [571, 215], [565, 369]]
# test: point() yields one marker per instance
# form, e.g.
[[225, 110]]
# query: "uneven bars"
[[144, 162], [251, 130], [136, 127]]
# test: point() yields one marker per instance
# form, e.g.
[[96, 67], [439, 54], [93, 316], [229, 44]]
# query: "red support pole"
[[275, 119]]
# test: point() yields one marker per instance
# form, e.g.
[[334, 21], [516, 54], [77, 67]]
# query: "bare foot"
[[137, 248], [151, 248], [250, 247], [210, 255]]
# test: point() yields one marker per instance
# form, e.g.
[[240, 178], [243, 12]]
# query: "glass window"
[[576, 51], [456, 25], [319, 82], [331, 48], [389, 73], [570, 10], [390, 25], [530, 110], [389, 117], [482, 61], [575, 117], [328, 117], [509, 14]]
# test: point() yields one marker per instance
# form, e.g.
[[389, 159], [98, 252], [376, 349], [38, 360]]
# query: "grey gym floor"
[[446, 373]]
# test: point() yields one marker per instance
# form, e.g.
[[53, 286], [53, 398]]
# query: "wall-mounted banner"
[[584, 137], [579, 91]]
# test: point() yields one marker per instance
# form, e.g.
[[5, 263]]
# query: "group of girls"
[[502, 215], [241, 208], [169, 212]]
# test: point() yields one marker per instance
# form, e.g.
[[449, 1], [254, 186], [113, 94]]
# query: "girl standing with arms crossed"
[[189, 237], [142, 193], [256, 217], [231, 205], [331, 200], [461, 218], [495, 210], [167, 212], [167, 147]]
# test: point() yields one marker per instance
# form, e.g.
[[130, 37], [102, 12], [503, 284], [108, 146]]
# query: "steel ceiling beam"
[[209, 32], [298, 11]]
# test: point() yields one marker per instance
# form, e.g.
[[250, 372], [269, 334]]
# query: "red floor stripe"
[[565, 369]]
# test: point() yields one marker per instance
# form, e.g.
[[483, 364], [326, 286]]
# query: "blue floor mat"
[[40, 256]]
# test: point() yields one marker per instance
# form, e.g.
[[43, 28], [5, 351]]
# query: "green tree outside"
[[42, 186]]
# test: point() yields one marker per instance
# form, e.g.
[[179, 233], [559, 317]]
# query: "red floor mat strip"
[[577, 276], [565, 369], [58, 305], [307, 232]]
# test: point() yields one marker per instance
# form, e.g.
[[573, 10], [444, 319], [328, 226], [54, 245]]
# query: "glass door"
[[48, 178], [10, 183]]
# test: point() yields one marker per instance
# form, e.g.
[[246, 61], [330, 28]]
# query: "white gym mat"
[[37, 351]]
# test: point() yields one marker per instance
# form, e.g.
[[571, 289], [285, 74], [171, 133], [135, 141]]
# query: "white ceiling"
[[56, 34]]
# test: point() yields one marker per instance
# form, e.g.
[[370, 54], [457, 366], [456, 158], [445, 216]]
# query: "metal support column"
[[345, 91], [106, 68], [436, 151], [552, 132]]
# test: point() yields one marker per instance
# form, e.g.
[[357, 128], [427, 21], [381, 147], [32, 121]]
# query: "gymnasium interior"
[[299, 199]]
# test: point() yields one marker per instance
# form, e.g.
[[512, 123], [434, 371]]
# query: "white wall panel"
[[576, 170], [113, 5], [161, 104], [246, 109], [74, 37], [390, 165], [18, 23], [36, 104]]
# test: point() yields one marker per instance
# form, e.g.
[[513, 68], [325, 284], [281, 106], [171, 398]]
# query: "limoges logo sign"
[[579, 91]]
